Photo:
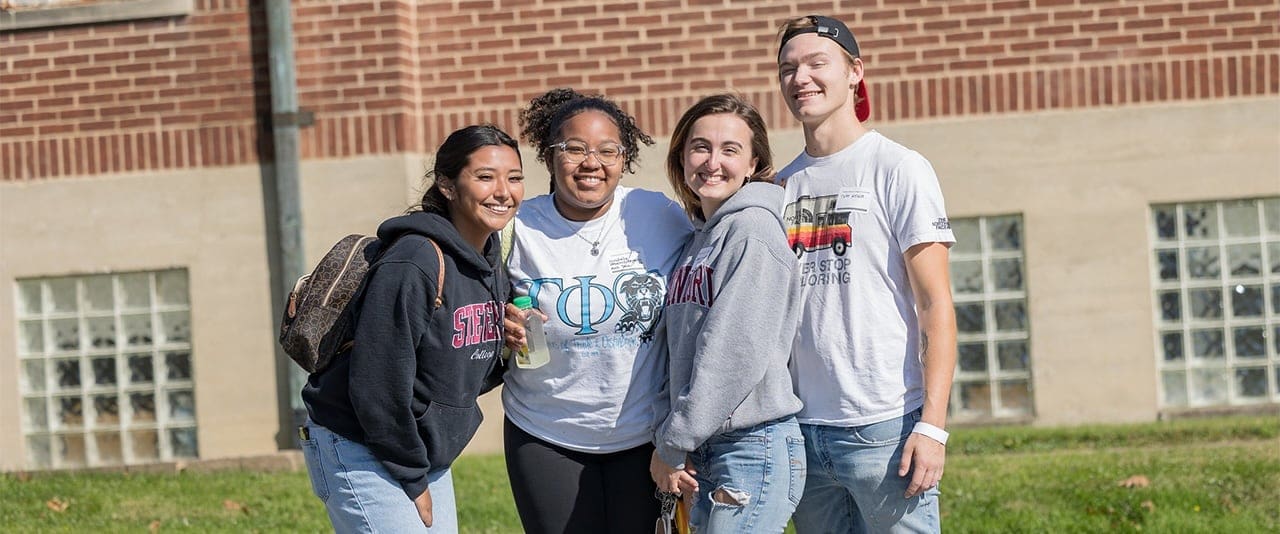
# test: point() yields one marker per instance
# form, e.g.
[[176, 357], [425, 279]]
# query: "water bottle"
[[534, 354]]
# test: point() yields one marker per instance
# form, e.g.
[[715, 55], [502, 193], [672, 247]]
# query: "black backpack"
[[319, 315]]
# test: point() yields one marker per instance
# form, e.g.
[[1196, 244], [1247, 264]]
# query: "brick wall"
[[131, 96], [394, 76]]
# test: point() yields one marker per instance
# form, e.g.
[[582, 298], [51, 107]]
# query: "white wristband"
[[937, 434]]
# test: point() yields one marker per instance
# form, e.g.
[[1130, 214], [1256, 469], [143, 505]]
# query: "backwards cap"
[[836, 31]]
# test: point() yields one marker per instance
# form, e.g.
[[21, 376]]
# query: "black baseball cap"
[[836, 31]]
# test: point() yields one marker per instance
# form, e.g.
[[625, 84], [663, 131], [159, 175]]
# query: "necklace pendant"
[[595, 249]]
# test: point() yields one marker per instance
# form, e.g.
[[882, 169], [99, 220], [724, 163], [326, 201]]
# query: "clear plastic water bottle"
[[534, 354]]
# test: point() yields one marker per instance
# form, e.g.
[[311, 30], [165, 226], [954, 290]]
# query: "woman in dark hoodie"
[[388, 417]]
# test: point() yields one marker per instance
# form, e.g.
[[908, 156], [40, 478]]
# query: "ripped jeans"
[[749, 480]]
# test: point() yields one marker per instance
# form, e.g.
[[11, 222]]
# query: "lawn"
[[1207, 475]]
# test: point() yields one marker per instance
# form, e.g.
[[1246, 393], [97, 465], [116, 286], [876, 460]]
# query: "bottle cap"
[[523, 303]]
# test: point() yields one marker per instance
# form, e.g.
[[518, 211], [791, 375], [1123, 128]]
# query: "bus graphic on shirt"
[[813, 223]]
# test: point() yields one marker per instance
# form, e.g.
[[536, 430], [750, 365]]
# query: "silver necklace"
[[595, 245]]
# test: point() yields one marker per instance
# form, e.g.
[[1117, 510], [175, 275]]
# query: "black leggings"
[[558, 490]]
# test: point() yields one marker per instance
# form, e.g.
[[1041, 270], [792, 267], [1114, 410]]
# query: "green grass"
[[1207, 475]]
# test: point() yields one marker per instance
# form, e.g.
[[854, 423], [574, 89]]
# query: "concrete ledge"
[[1173, 414], [87, 13], [286, 460]]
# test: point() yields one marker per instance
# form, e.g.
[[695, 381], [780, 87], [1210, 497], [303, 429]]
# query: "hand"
[[923, 457], [689, 484], [513, 326], [423, 503], [670, 479]]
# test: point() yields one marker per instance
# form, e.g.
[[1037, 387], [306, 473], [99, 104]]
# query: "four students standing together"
[[691, 351]]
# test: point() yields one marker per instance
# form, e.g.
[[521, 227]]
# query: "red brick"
[[1162, 9], [978, 22], [1229, 46], [1010, 5], [1121, 40], [1029, 18], [1233, 17], [1097, 27], [1207, 33], [1123, 11], [1161, 36], [1077, 42], [1014, 33], [925, 39], [969, 64], [1253, 30], [1210, 4], [1029, 46], [941, 53], [925, 68], [961, 37], [1012, 61], [1097, 55], [31, 64], [49, 48], [68, 61]]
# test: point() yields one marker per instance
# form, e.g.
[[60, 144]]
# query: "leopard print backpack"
[[319, 315]]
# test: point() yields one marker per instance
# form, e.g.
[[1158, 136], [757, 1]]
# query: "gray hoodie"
[[728, 323]]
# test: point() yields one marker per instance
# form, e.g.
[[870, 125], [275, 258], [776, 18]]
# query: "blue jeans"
[[360, 495], [749, 480], [853, 483]]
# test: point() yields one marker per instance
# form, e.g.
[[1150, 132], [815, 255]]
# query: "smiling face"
[[816, 78], [717, 159], [584, 190], [485, 194]]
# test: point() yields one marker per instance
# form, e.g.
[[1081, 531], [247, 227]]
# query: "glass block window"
[[1216, 267], [993, 367], [105, 369]]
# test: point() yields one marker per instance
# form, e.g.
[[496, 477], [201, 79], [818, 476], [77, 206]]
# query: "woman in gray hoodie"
[[730, 435]]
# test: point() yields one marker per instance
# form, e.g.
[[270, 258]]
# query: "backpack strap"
[[506, 239], [440, 276]]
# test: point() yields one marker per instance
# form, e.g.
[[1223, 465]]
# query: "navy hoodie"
[[407, 389]]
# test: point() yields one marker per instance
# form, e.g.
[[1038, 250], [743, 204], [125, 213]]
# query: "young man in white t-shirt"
[[874, 358]]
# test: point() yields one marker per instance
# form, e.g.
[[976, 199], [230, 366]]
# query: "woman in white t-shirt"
[[594, 257]]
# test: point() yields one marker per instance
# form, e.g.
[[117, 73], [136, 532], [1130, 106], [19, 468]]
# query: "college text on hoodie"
[[407, 389], [728, 323]]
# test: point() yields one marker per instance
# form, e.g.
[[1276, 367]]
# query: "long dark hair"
[[540, 123], [453, 156]]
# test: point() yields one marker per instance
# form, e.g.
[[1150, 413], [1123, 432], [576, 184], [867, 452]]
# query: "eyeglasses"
[[576, 152]]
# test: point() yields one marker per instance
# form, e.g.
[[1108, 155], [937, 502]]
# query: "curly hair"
[[725, 103], [541, 122]]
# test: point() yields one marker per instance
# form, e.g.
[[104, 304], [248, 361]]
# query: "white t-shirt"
[[598, 392], [856, 359]]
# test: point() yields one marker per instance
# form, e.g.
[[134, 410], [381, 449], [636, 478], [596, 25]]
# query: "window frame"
[[991, 337], [1227, 323], [82, 428], [91, 12]]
